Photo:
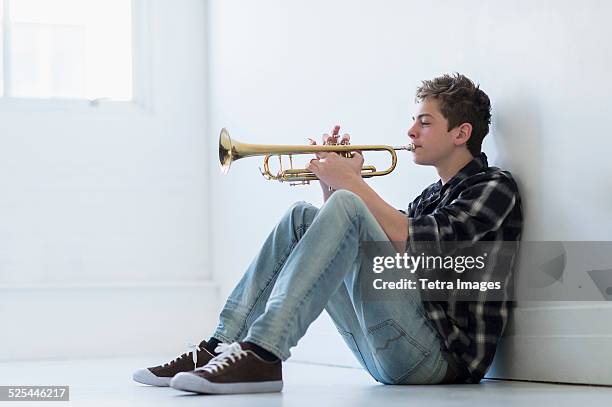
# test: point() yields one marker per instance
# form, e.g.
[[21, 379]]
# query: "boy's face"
[[430, 134]]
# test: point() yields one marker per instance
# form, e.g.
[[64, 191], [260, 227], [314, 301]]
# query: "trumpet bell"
[[226, 150]]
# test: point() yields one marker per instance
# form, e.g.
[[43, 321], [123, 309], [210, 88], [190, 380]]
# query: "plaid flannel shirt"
[[479, 204]]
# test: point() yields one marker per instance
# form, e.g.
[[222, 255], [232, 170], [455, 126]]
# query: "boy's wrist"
[[356, 184]]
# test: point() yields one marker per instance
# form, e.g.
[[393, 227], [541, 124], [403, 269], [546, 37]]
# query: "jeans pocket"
[[397, 352]]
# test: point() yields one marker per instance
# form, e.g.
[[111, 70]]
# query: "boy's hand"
[[335, 170], [327, 191]]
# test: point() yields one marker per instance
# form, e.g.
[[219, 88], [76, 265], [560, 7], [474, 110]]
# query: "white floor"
[[108, 382]]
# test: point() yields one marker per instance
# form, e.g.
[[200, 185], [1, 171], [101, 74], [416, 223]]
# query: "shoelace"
[[194, 349], [227, 353]]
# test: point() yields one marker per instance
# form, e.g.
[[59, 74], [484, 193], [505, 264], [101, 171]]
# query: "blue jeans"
[[312, 261]]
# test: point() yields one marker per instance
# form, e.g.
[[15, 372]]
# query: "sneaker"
[[236, 370], [162, 374]]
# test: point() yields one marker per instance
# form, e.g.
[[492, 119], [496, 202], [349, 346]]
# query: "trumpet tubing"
[[232, 150]]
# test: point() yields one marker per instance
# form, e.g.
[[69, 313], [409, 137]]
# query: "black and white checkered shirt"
[[479, 204]]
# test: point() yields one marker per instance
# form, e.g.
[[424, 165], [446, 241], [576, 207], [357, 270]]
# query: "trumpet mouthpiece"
[[409, 147]]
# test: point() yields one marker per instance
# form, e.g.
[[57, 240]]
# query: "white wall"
[[108, 199], [281, 71]]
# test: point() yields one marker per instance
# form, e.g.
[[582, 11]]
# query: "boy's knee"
[[346, 199], [301, 206], [302, 210]]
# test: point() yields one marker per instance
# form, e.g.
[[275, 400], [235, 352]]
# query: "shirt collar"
[[473, 167]]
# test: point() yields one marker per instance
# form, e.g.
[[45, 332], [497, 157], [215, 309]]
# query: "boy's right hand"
[[328, 139]]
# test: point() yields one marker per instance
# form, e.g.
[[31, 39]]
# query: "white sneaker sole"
[[191, 382], [145, 376]]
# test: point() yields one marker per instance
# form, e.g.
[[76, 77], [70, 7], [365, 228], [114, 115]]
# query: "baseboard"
[[559, 359], [560, 344], [551, 344], [86, 321]]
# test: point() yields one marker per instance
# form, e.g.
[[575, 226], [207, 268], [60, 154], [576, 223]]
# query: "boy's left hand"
[[336, 171]]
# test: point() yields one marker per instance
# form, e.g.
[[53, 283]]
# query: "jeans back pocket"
[[397, 352]]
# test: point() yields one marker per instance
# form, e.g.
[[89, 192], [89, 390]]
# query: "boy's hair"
[[460, 102]]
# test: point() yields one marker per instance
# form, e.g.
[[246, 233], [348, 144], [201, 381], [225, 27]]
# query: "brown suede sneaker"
[[162, 374], [236, 370]]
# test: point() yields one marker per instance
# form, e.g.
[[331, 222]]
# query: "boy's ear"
[[463, 134]]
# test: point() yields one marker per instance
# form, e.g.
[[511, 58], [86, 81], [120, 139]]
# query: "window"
[[74, 49]]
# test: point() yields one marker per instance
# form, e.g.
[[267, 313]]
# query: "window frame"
[[141, 74]]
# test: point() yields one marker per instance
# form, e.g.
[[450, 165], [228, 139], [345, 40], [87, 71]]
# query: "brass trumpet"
[[232, 150]]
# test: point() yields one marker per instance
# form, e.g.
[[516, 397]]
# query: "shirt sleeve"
[[412, 206], [479, 209]]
